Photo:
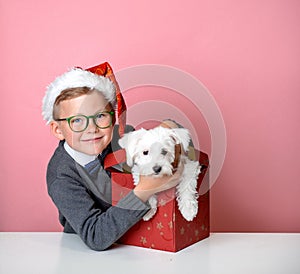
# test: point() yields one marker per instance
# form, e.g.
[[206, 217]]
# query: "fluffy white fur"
[[76, 77], [152, 152]]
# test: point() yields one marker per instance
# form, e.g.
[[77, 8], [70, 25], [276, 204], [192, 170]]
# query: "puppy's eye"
[[145, 152], [164, 152]]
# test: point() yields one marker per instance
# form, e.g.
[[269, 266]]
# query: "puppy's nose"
[[157, 169]]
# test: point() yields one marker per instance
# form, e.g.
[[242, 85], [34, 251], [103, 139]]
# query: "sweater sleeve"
[[98, 228]]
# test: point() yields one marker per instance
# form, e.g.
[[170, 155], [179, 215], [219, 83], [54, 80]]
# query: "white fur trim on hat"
[[74, 78]]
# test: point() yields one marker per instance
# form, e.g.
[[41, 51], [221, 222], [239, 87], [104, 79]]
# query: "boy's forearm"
[[98, 229]]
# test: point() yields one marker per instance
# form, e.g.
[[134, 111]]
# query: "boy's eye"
[[145, 152], [77, 120], [100, 115]]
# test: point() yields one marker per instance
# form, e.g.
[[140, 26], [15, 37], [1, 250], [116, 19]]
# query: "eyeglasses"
[[79, 123]]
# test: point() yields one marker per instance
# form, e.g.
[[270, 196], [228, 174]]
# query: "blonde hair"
[[69, 94]]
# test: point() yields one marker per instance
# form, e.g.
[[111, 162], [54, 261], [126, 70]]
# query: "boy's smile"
[[93, 140]]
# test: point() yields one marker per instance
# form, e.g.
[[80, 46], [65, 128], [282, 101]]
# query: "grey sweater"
[[83, 201]]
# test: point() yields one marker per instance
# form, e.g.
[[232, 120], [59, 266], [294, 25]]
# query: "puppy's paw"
[[149, 214], [153, 203]]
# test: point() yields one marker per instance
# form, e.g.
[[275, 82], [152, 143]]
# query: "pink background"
[[247, 53]]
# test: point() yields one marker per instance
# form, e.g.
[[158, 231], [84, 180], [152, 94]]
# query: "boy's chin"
[[93, 152]]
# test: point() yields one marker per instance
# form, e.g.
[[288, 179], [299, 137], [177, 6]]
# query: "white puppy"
[[154, 152]]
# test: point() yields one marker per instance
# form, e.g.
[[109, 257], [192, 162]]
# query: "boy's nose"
[[92, 126]]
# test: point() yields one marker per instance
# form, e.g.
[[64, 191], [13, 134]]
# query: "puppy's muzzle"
[[157, 169]]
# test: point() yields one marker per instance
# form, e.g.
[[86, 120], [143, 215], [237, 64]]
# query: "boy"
[[80, 107]]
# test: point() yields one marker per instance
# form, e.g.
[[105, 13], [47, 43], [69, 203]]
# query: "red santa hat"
[[100, 77]]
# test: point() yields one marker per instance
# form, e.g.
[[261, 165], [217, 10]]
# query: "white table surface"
[[241, 253]]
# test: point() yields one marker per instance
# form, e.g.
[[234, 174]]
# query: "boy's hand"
[[149, 185]]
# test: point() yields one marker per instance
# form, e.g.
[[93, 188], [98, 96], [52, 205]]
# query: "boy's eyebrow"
[[100, 110]]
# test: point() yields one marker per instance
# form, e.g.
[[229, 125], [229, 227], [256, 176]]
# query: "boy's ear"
[[56, 131]]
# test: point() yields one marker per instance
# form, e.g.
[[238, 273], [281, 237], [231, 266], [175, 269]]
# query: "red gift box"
[[167, 229]]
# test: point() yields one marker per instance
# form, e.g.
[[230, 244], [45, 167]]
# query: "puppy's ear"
[[129, 142], [124, 140], [181, 136], [124, 143]]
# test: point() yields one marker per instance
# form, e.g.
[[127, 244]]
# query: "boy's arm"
[[98, 229]]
